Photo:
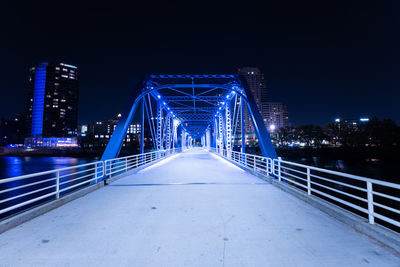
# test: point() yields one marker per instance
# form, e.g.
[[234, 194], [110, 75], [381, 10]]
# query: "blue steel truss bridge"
[[210, 205], [183, 108]]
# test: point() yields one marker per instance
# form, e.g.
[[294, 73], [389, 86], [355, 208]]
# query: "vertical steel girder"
[[183, 141], [220, 132], [141, 151], [169, 132], [242, 129], [159, 126], [228, 128], [175, 133], [208, 138]]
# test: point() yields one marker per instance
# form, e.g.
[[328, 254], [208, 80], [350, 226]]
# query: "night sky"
[[323, 59]]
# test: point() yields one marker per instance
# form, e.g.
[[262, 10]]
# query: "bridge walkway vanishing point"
[[192, 209]]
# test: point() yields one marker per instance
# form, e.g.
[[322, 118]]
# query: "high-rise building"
[[52, 106], [275, 115], [256, 82]]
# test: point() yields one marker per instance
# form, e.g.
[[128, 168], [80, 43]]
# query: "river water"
[[371, 168], [16, 166]]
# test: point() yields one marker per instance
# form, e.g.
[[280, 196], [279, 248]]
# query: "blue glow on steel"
[[38, 100]]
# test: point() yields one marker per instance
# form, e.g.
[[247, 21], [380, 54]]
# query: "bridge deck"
[[193, 209]]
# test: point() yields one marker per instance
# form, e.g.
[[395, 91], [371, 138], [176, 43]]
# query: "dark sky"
[[322, 58]]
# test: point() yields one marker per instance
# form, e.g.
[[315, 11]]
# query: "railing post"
[[308, 182], [266, 166], [279, 169], [254, 163], [58, 185], [137, 161], [95, 173], [370, 197], [126, 164]]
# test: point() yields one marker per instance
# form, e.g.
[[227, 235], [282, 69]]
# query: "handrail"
[[349, 191], [23, 192]]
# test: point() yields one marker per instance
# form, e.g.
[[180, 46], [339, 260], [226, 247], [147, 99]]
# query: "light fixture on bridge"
[[164, 103], [158, 96]]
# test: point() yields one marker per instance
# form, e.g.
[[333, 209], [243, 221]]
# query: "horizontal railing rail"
[[124, 164], [370, 198], [20, 193]]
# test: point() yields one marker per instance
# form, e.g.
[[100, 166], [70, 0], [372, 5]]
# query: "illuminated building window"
[[64, 76]]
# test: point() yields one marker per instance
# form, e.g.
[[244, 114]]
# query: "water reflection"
[[16, 166]]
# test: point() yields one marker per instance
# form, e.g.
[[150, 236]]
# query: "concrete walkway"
[[193, 209]]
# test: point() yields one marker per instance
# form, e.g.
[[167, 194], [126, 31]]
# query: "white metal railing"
[[22, 192], [124, 164], [371, 198]]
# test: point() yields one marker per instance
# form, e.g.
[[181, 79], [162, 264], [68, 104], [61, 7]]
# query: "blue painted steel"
[[243, 133], [264, 140], [38, 100], [117, 138], [142, 128]]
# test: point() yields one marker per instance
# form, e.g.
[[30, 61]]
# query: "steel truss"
[[185, 108]]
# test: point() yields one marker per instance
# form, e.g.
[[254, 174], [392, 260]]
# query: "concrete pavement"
[[193, 209]]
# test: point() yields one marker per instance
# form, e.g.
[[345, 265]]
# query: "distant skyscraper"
[[52, 107], [256, 81], [275, 115]]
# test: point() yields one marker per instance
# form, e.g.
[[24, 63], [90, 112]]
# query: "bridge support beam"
[[141, 151], [228, 129], [159, 139], [242, 126], [264, 140]]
